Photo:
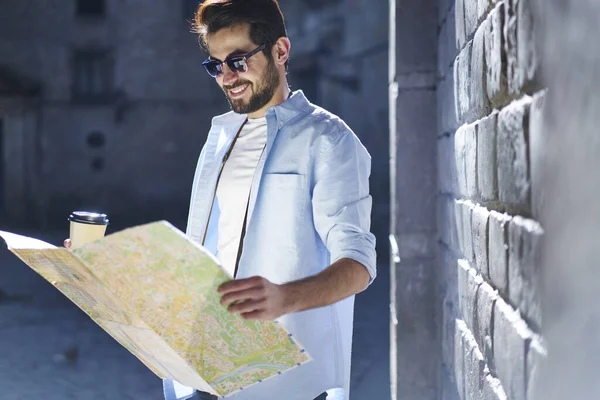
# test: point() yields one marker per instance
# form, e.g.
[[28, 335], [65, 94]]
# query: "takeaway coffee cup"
[[86, 227]]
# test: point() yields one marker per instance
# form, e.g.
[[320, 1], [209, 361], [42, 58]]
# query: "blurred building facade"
[[105, 105]]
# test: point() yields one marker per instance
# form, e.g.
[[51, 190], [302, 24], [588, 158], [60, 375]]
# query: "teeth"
[[239, 89]]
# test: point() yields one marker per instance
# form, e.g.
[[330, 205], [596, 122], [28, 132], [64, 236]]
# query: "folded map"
[[155, 292]]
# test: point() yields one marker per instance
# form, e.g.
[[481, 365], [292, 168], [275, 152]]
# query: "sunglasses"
[[237, 64]]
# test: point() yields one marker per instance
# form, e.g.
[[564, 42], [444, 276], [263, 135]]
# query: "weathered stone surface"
[[480, 105], [495, 55], [492, 389], [511, 338], [536, 357], [470, 142], [480, 219], [463, 277], [447, 227], [446, 164], [483, 8], [528, 55], [461, 37], [446, 104], [512, 153], [474, 369], [467, 250], [465, 157], [458, 220], [459, 357], [470, 17], [498, 250], [463, 83], [537, 153], [487, 181], [524, 279], [510, 46], [486, 298], [460, 150]]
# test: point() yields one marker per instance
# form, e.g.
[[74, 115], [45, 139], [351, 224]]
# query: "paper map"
[[155, 292]]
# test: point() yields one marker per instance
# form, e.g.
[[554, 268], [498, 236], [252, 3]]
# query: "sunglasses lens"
[[214, 69], [237, 65]]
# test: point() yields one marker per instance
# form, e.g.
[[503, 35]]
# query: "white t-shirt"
[[234, 188]]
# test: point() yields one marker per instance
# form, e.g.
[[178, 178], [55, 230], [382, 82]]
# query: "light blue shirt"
[[309, 207]]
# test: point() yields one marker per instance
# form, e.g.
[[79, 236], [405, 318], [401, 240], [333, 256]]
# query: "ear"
[[281, 51]]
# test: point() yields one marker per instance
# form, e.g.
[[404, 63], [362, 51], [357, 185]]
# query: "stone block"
[[537, 153], [480, 105], [461, 37], [492, 389], [498, 250], [470, 17], [446, 104], [459, 357], [480, 219], [495, 55], [486, 298], [536, 357], [483, 8], [487, 181], [463, 269], [510, 47], [524, 279], [512, 154], [470, 311], [470, 159], [463, 83], [467, 241], [528, 54], [474, 369], [458, 220], [446, 164], [460, 144], [511, 339]]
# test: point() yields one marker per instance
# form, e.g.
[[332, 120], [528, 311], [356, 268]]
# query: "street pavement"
[[51, 350]]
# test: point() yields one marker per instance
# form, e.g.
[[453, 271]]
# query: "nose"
[[228, 75]]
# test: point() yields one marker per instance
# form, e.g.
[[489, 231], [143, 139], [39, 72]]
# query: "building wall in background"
[[490, 107], [131, 152]]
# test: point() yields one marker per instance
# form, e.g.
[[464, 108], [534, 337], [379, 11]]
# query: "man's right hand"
[[67, 243]]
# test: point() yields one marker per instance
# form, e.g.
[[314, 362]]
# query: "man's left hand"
[[254, 298]]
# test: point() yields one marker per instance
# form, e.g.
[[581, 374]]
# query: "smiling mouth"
[[239, 90]]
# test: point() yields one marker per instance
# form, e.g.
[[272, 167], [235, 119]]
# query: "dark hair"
[[264, 17]]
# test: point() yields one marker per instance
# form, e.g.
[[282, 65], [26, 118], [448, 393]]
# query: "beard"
[[260, 95]]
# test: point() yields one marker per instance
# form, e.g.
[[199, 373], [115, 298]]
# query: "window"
[[189, 8], [92, 76], [90, 8]]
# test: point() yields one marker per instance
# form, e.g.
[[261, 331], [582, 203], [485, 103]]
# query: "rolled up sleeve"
[[341, 201]]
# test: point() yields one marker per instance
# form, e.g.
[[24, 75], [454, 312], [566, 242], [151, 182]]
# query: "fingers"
[[67, 243], [243, 295], [258, 314], [247, 306], [240, 284]]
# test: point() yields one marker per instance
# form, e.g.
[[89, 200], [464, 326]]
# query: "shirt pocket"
[[284, 201]]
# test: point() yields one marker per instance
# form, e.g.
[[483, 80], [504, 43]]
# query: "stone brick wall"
[[490, 107]]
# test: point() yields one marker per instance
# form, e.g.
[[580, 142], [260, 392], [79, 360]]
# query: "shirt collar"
[[284, 112]]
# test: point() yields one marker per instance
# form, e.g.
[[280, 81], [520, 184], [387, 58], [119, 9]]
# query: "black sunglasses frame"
[[237, 64]]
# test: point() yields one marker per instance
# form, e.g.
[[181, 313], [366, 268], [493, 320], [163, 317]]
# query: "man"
[[281, 197]]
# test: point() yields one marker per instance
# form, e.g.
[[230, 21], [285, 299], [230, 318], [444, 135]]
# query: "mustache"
[[237, 84]]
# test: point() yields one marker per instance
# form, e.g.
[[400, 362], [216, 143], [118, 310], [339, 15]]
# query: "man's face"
[[249, 91]]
